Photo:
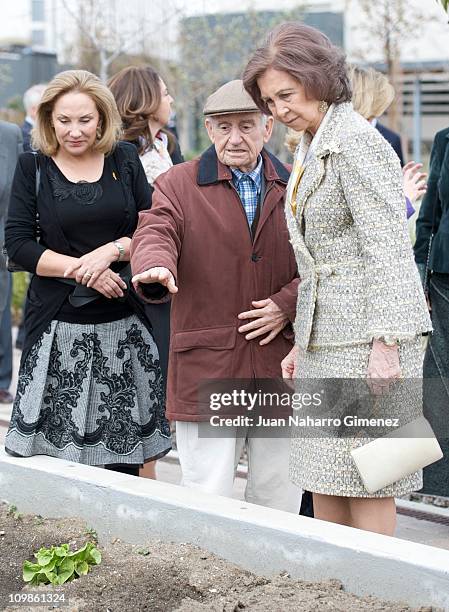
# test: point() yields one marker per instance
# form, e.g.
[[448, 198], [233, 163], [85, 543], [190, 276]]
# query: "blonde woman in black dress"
[[90, 387]]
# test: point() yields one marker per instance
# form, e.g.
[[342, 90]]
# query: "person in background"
[[31, 99], [215, 238], [10, 149], [172, 124], [392, 137], [372, 94], [432, 258], [90, 385], [145, 106], [344, 208]]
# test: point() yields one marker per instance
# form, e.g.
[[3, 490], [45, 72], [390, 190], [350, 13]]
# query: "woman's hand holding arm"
[[53, 264], [88, 268]]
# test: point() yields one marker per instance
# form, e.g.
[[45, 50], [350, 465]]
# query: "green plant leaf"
[[81, 553], [95, 555], [35, 581], [29, 570], [92, 533], [81, 568], [66, 570], [44, 558], [50, 567], [59, 564], [41, 551], [39, 578]]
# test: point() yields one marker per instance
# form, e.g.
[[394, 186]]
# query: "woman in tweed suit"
[[361, 309]]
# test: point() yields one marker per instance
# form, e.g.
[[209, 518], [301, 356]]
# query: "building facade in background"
[[37, 37]]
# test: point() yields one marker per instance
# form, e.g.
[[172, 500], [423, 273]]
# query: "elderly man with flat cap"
[[215, 239]]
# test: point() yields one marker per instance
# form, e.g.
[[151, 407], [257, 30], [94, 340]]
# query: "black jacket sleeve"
[[20, 231], [430, 211], [142, 191]]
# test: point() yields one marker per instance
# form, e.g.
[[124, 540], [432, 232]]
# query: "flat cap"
[[230, 98]]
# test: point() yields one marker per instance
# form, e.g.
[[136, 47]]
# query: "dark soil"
[[161, 577]]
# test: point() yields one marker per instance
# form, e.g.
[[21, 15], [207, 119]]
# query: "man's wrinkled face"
[[239, 138]]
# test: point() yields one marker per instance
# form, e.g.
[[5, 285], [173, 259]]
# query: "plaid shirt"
[[248, 186]]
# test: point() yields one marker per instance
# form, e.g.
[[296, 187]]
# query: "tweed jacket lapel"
[[328, 141], [311, 179]]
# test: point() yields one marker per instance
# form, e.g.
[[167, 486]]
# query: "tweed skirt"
[[324, 464], [93, 394]]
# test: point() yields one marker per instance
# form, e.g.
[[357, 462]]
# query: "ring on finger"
[[88, 274]]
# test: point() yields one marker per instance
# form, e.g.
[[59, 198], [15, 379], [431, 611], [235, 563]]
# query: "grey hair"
[[33, 96]]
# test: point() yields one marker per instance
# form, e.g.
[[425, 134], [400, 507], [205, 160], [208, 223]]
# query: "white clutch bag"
[[398, 454]]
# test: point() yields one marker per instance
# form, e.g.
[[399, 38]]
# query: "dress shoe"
[[6, 397]]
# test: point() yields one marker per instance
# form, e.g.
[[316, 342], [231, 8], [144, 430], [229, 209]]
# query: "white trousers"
[[209, 464]]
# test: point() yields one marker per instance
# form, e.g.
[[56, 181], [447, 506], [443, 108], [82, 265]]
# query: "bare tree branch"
[[388, 24], [103, 37]]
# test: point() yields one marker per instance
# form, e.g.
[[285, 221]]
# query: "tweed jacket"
[[349, 234]]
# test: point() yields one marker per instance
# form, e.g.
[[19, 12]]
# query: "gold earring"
[[323, 106]]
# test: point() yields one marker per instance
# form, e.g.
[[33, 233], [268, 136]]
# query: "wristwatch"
[[121, 250]]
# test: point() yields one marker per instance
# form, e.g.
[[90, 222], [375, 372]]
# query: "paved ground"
[[168, 470]]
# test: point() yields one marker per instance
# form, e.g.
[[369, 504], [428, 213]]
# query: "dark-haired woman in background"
[[144, 104]]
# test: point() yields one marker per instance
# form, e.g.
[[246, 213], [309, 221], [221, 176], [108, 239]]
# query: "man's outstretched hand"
[[156, 275]]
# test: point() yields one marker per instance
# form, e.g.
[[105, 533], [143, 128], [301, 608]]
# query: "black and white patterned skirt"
[[91, 394]]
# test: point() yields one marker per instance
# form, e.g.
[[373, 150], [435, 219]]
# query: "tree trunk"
[[104, 65], [394, 113]]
